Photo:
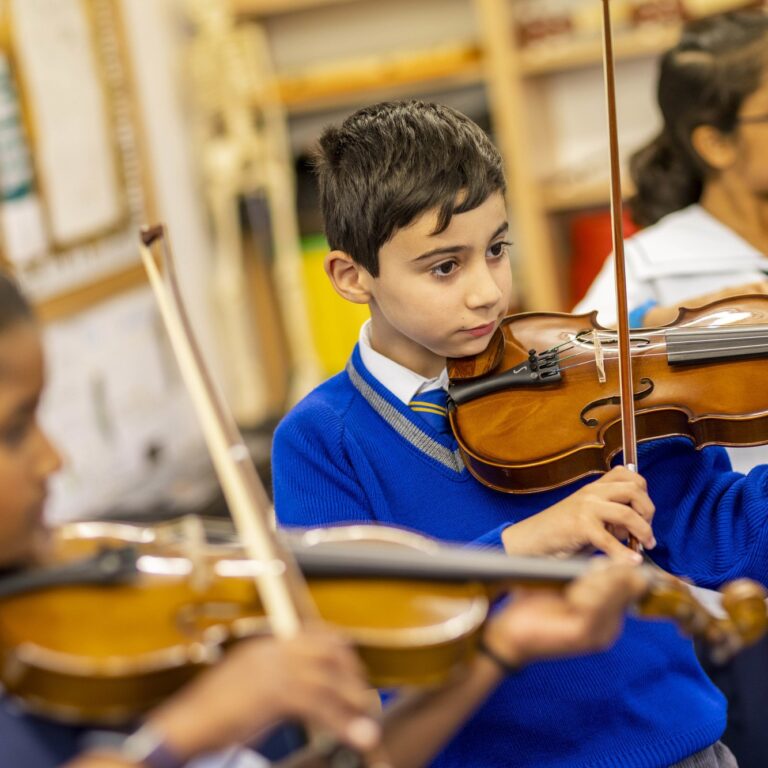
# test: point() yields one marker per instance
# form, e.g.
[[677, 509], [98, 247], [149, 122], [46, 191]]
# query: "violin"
[[125, 615], [540, 407]]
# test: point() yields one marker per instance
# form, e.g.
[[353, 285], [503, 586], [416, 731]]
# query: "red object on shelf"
[[591, 242]]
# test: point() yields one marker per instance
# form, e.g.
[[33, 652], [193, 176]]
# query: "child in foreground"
[[315, 677]]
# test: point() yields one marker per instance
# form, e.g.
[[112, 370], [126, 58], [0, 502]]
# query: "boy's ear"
[[717, 149], [350, 279]]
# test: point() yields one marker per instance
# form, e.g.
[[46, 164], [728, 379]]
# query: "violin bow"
[[626, 387], [282, 588]]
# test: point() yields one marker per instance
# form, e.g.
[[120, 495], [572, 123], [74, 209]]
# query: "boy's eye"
[[444, 269], [499, 249]]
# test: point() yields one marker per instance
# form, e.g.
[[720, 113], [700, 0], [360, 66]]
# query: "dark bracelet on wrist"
[[505, 666]]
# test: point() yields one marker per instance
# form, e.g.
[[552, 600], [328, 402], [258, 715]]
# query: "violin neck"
[[110, 566], [446, 564]]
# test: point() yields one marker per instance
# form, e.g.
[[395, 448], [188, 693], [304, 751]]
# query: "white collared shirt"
[[688, 253], [402, 382]]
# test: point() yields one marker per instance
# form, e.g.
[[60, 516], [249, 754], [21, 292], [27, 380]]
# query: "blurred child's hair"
[[388, 164], [13, 306], [704, 80]]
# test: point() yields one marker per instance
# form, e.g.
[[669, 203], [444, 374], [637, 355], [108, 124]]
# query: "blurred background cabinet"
[[529, 70]]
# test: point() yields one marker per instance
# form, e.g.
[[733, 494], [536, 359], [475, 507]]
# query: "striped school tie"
[[432, 407]]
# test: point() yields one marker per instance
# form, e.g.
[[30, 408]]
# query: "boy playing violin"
[[413, 200], [315, 677]]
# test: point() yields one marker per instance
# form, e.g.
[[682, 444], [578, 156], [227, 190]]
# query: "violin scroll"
[[743, 623], [744, 602]]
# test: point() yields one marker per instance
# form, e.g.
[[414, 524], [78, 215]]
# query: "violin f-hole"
[[614, 400]]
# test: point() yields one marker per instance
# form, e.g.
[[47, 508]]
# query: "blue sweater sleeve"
[[710, 522], [314, 483], [491, 539]]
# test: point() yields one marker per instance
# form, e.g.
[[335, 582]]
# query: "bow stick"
[[626, 387], [282, 587]]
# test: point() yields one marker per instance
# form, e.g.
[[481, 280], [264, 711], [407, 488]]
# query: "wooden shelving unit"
[[507, 73], [645, 41], [339, 83], [272, 7], [83, 297], [557, 198]]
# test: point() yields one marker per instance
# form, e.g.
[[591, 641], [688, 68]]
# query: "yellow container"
[[335, 321]]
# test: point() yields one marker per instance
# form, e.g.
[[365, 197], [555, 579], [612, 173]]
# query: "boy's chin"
[[471, 347]]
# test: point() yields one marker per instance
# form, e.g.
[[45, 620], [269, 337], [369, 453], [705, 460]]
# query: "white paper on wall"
[[117, 409], [73, 144]]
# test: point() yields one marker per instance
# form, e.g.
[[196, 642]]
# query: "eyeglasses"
[[754, 119]]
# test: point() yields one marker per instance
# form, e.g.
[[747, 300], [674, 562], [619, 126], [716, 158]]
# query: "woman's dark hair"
[[704, 80], [13, 306], [387, 164]]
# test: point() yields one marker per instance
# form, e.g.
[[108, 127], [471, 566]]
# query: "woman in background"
[[702, 184]]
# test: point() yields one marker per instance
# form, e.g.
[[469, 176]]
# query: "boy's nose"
[[483, 290]]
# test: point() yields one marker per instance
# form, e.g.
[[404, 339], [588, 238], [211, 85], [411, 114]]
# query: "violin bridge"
[[599, 357]]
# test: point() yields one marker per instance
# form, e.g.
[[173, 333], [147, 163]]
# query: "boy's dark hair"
[[389, 163], [13, 306], [704, 80]]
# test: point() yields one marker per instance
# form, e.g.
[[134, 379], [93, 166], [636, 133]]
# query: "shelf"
[[338, 84], [574, 196], [648, 40], [81, 298], [276, 7]]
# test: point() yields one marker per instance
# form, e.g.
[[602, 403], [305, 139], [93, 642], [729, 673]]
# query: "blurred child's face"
[[27, 458], [441, 295]]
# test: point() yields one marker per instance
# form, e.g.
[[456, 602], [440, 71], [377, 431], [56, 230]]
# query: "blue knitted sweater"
[[351, 452]]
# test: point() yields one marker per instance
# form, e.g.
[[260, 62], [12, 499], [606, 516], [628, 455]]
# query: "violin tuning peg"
[[744, 602]]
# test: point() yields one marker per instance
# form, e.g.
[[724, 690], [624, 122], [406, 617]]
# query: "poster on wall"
[[76, 191], [65, 96]]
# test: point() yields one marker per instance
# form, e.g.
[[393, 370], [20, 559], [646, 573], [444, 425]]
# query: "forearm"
[[99, 761], [419, 724]]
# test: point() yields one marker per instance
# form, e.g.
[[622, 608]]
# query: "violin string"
[[610, 336], [708, 350], [591, 354], [685, 329], [571, 344], [645, 349]]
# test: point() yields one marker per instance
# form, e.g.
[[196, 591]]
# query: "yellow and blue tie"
[[432, 407]]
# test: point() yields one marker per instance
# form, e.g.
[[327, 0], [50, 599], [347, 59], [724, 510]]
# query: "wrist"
[[638, 317], [520, 539], [501, 650], [182, 729], [504, 666], [146, 747]]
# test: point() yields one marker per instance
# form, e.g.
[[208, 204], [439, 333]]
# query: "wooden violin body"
[[529, 421], [86, 652], [130, 613]]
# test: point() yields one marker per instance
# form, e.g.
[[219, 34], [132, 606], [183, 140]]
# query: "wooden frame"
[[79, 272]]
